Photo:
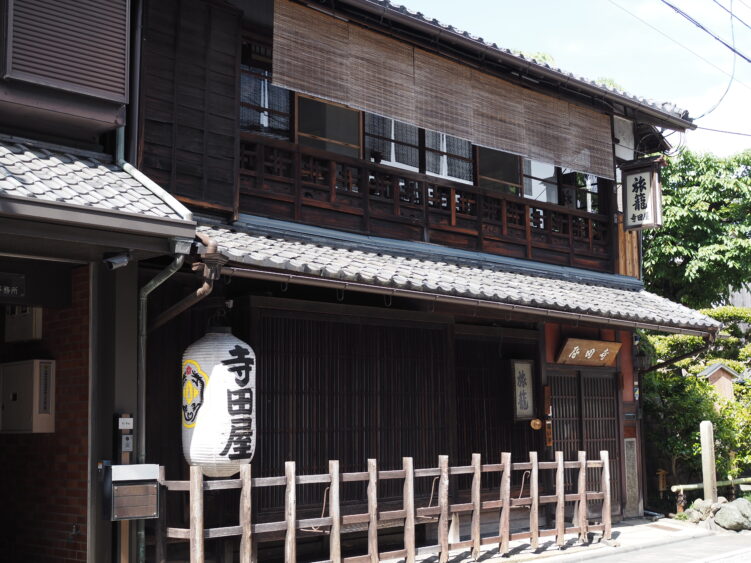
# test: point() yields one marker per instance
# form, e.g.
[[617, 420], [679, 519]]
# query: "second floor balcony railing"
[[288, 181]]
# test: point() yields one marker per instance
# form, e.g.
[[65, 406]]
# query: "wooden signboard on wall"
[[581, 352]]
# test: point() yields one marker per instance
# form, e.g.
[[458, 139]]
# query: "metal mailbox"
[[131, 492]]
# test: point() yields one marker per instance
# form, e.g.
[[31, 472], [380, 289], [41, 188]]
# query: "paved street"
[[640, 540], [723, 548]]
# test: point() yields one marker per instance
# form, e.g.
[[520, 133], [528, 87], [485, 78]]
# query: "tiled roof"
[[387, 6], [40, 172], [482, 282]]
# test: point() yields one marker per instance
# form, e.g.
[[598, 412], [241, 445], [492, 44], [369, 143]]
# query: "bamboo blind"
[[311, 52], [320, 55], [382, 75]]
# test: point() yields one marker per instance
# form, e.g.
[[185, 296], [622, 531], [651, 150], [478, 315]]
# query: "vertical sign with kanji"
[[524, 396], [642, 199]]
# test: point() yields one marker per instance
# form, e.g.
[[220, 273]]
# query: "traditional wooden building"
[[418, 233], [405, 212]]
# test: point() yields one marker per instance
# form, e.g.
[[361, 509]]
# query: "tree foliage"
[[703, 250], [676, 400]]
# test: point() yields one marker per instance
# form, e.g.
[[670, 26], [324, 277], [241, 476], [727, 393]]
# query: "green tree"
[[539, 56], [675, 400], [703, 250], [609, 82]]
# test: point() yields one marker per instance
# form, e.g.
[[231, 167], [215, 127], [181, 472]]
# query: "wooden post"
[[605, 487], [290, 514], [708, 467], [476, 504], [161, 523], [409, 509], [582, 492], [246, 513], [196, 514], [560, 504], [335, 545], [503, 527], [373, 510], [443, 503], [534, 493]]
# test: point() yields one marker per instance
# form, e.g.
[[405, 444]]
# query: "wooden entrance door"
[[585, 417]]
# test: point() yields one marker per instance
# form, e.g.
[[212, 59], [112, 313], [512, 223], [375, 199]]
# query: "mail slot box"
[[132, 491]]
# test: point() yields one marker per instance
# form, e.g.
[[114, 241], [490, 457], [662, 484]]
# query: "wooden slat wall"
[[320, 55], [352, 389], [189, 99], [69, 44], [484, 395], [628, 251]]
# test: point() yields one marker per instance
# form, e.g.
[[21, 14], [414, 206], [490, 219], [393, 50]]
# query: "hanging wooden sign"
[[589, 352], [524, 404], [548, 433], [642, 194]]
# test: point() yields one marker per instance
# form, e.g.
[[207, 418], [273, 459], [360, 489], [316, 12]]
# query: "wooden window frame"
[[298, 133], [393, 141], [425, 150], [251, 37], [499, 184]]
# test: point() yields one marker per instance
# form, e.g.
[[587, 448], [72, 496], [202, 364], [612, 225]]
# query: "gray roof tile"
[[487, 280], [36, 173]]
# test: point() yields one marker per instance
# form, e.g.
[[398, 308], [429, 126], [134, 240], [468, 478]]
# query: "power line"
[[725, 132], [732, 35], [730, 11], [704, 29], [697, 55]]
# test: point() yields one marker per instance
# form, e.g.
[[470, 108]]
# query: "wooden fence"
[[408, 515]]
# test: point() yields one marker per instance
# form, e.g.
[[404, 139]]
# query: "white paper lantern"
[[219, 403]]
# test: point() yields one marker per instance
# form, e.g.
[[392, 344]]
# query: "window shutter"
[[77, 46]]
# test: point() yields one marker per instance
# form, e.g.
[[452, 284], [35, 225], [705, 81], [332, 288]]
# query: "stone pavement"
[[628, 537]]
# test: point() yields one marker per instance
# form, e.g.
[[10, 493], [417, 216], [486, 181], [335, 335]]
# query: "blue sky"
[[597, 38]]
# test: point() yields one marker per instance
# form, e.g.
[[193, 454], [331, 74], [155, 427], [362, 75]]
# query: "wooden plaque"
[[589, 352]]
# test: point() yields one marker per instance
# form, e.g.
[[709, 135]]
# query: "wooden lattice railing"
[[289, 181], [408, 516]]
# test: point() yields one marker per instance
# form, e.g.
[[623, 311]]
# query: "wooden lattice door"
[[585, 417]]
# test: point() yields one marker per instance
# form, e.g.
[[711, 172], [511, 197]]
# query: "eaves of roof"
[[264, 254], [63, 185]]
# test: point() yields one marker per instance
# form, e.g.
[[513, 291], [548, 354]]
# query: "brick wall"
[[44, 476]]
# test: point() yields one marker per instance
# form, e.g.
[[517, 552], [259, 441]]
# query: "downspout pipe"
[[211, 264], [143, 297]]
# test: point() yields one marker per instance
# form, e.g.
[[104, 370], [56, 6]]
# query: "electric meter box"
[[22, 323], [27, 395], [131, 492]]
